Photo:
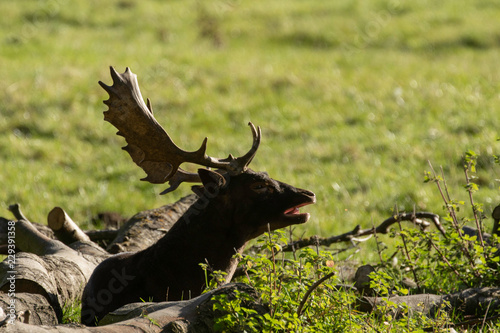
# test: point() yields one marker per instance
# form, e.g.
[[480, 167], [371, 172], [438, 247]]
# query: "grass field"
[[353, 97]]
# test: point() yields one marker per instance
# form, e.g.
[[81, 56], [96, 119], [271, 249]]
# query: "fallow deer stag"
[[235, 205]]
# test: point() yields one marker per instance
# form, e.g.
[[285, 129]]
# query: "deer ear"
[[212, 181]]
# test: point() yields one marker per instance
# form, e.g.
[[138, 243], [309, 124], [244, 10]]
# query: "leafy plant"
[[71, 312], [304, 295]]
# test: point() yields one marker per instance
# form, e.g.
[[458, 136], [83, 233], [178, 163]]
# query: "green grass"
[[354, 97]]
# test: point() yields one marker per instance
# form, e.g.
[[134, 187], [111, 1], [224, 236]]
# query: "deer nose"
[[310, 195]]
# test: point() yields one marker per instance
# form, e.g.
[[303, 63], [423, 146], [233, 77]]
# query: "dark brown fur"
[[230, 212]]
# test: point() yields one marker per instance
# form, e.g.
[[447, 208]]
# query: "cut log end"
[[65, 229]]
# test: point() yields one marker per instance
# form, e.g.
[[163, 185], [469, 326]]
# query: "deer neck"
[[201, 236]]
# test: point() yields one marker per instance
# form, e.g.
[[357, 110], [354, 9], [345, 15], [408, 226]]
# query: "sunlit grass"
[[353, 98]]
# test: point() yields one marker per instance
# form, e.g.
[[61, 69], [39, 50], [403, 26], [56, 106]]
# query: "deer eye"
[[260, 187]]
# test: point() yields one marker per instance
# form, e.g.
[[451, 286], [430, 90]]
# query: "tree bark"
[[478, 302], [424, 303], [472, 302], [24, 302], [147, 227], [191, 316], [48, 268], [43, 229]]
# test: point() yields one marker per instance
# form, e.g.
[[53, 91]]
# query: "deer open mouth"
[[294, 213]]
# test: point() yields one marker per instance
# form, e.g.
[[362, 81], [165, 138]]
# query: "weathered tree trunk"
[[55, 218], [48, 268], [24, 306], [43, 229], [475, 302], [423, 303], [191, 316], [147, 227]]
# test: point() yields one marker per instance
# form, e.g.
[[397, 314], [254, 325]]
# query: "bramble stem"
[[474, 208]]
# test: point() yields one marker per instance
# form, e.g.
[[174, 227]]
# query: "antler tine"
[[180, 177], [240, 164], [148, 143]]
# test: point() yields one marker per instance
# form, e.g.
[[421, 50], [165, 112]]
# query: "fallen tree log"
[[59, 223], [65, 229], [23, 306], [145, 228], [48, 268], [192, 316], [477, 302], [43, 229], [54, 274], [138, 233], [423, 303], [472, 302]]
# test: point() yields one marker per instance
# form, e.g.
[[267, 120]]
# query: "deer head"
[[151, 147], [252, 203]]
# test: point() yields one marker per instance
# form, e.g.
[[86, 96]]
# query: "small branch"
[[446, 198], [29, 239], [15, 209], [310, 290], [451, 211], [376, 242], [271, 287], [65, 229], [102, 235], [447, 262], [291, 242], [407, 253], [485, 315], [383, 228]]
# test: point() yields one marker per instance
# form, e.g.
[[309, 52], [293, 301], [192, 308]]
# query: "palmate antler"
[[150, 146]]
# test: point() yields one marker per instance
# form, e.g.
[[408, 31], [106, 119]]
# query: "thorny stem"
[[316, 243], [452, 213], [376, 241], [407, 253], [271, 287], [474, 208], [444, 183], [447, 262], [292, 244], [446, 200], [450, 207]]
